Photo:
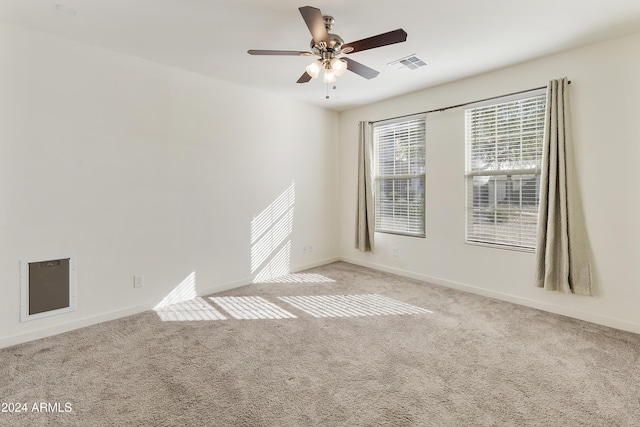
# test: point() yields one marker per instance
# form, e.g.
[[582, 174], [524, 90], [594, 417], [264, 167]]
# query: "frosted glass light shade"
[[329, 76], [314, 68], [338, 66]]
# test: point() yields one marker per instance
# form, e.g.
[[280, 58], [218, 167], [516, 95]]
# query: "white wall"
[[139, 168], [605, 98]]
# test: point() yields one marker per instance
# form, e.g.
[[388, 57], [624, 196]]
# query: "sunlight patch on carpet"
[[196, 309], [298, 278], [351, 305], [251, 308]]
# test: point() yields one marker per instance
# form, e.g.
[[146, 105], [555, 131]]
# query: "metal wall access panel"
[[48, 286]]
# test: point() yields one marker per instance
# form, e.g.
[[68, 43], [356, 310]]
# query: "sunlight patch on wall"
[[186, 290], [275, 236], [296, 278], [196, 309], [351, 305], [270, 237], [251, 308], [269, 216], [276, 267]]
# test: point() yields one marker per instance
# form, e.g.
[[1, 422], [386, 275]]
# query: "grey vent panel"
[[411, 62], [48, 285]]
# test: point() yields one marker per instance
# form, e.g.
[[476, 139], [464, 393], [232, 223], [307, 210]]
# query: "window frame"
[[378, 178], [533, 169]]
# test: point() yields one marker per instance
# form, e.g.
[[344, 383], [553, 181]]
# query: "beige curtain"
[[365, 218], [562, 251]]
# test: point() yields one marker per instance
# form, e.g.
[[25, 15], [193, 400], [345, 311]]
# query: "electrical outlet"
[[138, 280], [394, 251], [310, 248]]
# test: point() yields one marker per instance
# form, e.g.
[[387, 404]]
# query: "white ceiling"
[[457, 38]]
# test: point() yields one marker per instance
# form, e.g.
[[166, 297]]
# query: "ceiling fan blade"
[[360, 69], [304, 78], [313, 18], [278, 52], [392, 37]]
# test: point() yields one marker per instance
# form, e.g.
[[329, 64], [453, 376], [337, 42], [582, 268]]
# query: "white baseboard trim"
[[315, 264], [129, 311], [72, 325], [540, 305], [249, 280], [224, 287]]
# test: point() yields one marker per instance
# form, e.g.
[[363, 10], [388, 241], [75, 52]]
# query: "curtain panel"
[[365, 217], [562, 255]]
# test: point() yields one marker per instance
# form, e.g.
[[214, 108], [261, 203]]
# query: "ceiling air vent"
[[411, 62]]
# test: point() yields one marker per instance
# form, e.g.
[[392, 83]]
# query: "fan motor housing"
[[334, 45]]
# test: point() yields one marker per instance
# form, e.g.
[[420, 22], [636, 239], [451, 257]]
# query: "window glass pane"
[[400, 205], [503, 158], [400, 165]]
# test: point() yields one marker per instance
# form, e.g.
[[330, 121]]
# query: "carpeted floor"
[[396, 352]]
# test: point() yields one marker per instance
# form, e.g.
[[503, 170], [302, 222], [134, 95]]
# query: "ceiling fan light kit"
[[328, 46]]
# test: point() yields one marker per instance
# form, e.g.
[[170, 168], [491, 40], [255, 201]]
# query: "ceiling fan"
[[328, 46]]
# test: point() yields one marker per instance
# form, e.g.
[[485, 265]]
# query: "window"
[[503, 162], [399, 173]]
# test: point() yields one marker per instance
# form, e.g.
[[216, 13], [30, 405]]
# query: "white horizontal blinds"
[[400, 163], [503, 160]]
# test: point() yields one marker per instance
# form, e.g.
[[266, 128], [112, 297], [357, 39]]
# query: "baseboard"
[[540, 305], [315, 264], [249, 280], [224, 287], [129, 311], [70, 326]]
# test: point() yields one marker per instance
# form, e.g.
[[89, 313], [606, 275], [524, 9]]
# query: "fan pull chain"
[[333, 87]]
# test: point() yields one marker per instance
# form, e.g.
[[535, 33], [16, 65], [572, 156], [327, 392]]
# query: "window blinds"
[[400, 164], [503, 161]]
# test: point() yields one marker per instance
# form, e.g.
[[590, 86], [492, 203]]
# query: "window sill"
[[398, 233], [499, 246]]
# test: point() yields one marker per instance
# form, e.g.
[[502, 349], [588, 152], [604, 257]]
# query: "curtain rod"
[[437, 110]]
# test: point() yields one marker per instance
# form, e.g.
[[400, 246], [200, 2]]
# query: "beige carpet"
[[396, 352]]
